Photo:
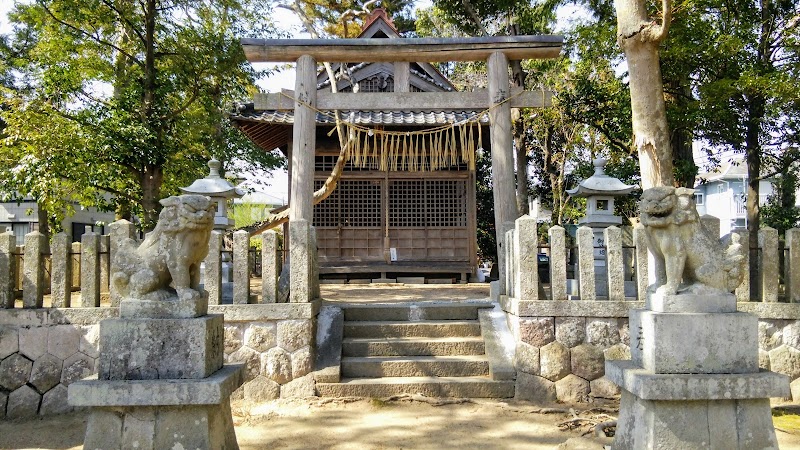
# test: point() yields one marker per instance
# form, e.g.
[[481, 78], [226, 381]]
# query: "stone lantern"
[[600, 191], [220, 191]]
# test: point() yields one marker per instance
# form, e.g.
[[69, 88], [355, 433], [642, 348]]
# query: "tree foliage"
[[117, 103]]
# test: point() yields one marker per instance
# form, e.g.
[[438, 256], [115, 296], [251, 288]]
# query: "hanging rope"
[[420, 150]]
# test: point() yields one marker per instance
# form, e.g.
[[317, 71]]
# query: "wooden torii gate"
[[496, 51]]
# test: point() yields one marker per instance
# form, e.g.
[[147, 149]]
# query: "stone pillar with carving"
[[693, 380], [161, 381]]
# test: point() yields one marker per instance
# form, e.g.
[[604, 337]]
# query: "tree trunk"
[[639, 36], [518, 76], [44, 224], [150, 181], [685, 168], [756, 111]]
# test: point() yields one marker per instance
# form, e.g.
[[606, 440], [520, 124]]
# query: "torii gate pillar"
[[505, 203], [301, 214]]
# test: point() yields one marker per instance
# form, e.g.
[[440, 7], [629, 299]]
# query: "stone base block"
[[169, 427], [694, 342], [213, 390], [150, 349], [160, 414], [717, 424], [650, 386], [171, 308], [725, 411]]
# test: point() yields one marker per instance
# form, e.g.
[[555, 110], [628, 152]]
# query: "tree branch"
[[125, 19], [87, 34]]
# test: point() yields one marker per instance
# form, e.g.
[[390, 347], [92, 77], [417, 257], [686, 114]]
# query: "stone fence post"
[[8, 269], [61, 274], [300, 261], [585, 239], [120, 230], [769, 258], [526, 251], [241, 267], [642, 275], [269, 267], [90, 270], [558, 262], [743, 291], [212, 277], [614, 265], [33, 275], [510, 262], [105, 263], [792, 279]]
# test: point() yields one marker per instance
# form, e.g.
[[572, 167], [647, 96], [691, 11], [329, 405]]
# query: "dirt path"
[[363, 425]]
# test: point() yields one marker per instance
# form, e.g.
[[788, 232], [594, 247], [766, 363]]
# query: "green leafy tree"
[[125, 98]]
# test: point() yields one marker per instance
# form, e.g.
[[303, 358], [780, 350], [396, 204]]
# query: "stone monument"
[[600, 190], [693, 380], [161, 382]]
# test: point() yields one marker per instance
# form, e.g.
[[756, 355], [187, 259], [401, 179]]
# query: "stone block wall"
[[43, 350], [41, 353], [562, 349], [277, 354]]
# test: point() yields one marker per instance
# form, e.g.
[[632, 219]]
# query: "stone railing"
[[39, 274], [617, 269], [566, 329]]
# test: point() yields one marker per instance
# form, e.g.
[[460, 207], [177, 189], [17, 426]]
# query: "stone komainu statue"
[[687, 255], [170, 254]]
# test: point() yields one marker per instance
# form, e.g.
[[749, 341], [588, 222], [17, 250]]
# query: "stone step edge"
[[410, 358], [368, 323], [416, 380], [411, 340]]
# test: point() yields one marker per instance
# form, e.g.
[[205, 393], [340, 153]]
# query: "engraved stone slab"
[[694, 343], [682, 303], [146, 349], [171, 308]]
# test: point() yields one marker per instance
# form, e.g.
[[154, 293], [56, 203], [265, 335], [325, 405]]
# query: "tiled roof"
[[365, 117]]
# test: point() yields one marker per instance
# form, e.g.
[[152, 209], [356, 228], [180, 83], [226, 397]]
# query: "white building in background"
[[722, 193], [22, 218]]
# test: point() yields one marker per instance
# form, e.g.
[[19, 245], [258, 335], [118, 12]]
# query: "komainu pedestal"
[[161, 383], [693, 380]]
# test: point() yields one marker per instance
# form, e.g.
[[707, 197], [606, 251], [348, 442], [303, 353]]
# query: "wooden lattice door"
[[350, 222]]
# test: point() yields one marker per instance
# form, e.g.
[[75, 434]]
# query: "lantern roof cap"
[[213, 185], [601, 184]]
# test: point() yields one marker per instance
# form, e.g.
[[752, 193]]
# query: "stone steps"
[[435, 349], [415, 366], [470, 387], [400, 328], [421, 346], [415, 311]]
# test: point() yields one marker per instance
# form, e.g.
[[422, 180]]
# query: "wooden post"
[[505, 201], [304, 140], [402, 73]]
